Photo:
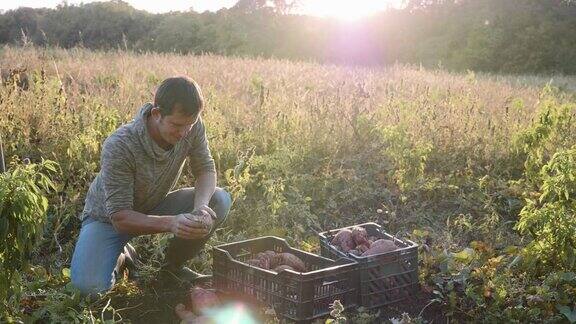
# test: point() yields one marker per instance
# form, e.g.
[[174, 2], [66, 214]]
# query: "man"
[[132, 194]]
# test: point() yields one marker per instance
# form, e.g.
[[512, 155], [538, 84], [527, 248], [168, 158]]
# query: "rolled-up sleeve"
[[117, 173], [199, 155]]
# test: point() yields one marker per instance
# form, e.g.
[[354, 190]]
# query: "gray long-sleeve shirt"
[[136, 173]]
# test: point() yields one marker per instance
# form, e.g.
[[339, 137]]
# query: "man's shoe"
[[127, 261], [183, 274], [132, 260]]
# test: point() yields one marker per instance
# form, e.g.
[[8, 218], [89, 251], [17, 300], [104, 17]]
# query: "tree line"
[[512, 36]]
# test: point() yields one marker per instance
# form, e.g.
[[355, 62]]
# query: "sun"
[[346, 10]]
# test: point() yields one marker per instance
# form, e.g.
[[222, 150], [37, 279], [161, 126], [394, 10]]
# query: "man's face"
[[174, 127]]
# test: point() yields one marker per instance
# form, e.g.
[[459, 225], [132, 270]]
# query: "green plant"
[[336, 313], [67, 305], [549, 220], [553, 130], [409, 157], [23, 209], [406, 319]]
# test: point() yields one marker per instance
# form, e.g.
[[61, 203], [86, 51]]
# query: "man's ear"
[[155, 113]]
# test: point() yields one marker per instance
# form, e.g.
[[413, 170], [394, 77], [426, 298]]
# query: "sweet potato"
[[288, 259], [202, 219], [362, 248], [384, 242], [359, 235], [263, 263], [266, 254], [202, 299], [257, 263], [265, 258], [344, 240], [380, 246]]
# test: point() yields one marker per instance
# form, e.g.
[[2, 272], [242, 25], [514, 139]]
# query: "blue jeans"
[[99, 244]]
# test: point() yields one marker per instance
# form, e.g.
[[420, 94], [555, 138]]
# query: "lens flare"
[[235, 313]]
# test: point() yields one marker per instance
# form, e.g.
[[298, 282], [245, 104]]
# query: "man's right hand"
[[183, 226]]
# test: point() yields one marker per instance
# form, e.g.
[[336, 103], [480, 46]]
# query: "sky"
[[344, 9]]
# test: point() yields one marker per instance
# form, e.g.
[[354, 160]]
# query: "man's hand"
[[187, 226], [207, 211]]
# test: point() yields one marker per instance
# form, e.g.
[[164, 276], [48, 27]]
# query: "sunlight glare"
[[347, 10]]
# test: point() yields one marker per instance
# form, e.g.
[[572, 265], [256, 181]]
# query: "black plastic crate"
[[299, 297], [384, 278]]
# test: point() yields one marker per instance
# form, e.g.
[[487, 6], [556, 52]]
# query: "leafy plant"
[[336, 313], [553, 130], [549, 220], [23, 209]]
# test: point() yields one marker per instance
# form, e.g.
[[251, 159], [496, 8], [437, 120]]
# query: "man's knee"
[[92, 284], [95, 256], [221, 203]]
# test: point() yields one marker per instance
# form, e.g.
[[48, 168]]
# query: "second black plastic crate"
[[384, 278], [299, 297]]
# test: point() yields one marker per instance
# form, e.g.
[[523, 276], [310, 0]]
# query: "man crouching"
[[133, 192]]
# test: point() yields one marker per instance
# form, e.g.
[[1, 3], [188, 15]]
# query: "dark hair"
[[179, 90]]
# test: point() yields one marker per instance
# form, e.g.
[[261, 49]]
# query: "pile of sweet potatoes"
[[277, 262], [356, 241]]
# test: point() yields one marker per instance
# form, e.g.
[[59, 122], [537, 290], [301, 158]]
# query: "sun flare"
[[347, 10]]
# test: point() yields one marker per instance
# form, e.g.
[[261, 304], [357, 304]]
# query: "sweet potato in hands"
[[201, 219]]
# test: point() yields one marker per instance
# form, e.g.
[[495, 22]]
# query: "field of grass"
[[479, 169]]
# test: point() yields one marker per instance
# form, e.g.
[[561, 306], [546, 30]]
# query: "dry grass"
[[434, 106]]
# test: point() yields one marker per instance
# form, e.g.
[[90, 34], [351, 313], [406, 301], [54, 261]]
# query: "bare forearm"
[[205, 186], [135, 223]]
